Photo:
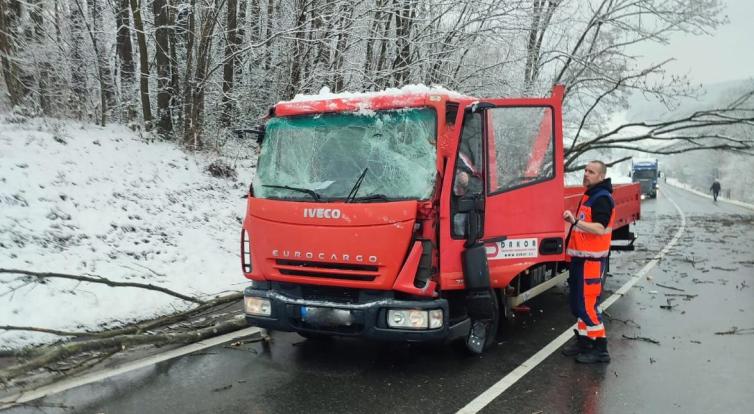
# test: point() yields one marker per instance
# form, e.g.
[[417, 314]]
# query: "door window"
[[523, 140], [468, 176]]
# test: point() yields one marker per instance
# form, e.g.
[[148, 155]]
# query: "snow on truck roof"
[[326, 101]]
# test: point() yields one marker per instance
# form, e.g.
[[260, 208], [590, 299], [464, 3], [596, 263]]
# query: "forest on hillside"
[[191, 70]]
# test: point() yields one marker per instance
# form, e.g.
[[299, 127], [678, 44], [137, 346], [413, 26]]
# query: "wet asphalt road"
[[704, 361]]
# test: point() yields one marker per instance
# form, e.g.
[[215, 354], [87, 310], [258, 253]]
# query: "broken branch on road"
[[682, 295], [736, 331], [669, 287], [642, 338], [55, 353]]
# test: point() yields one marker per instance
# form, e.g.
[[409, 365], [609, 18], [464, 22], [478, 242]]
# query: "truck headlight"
[[414, 318], [257, 306]]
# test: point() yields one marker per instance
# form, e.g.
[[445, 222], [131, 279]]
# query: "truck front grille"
[[342, 271]]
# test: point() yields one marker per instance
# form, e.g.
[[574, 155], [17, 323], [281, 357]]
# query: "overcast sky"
[[726, 55]]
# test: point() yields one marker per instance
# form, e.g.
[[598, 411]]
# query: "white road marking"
[[65, 385], [483, 399]]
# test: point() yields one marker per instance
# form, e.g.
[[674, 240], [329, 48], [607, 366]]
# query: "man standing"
[[588, 247], [715, 189]]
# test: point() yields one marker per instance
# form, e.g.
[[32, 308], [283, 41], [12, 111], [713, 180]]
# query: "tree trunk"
[[268, 35], [380, 78], [10, 11], [163, 27], [125, 55], [193, 134], [188, 85], [36, 14], [175, 81], [104, 76], [298, 50], [146, 108], [405, 12], [78, 69], [229, 64], [341, 46], [539, 23], [370, 63]]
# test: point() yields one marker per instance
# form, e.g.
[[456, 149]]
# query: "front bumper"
[[368, 314]]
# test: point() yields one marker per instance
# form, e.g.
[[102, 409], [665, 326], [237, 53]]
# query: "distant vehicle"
[[646, 172]]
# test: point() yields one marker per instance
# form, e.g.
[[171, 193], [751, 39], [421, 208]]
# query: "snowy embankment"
[[676, 183], [82, 199]]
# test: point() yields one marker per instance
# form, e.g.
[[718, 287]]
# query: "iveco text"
[[327, 213]]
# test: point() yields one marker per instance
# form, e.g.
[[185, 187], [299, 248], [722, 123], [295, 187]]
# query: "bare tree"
[[146, 106], [229, 67], [163, 27], [125, 55], [405, 12], [10, 11], [78, 66], [198, 83]]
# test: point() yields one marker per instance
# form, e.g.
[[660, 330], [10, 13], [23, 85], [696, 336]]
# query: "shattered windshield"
[[355, 156]]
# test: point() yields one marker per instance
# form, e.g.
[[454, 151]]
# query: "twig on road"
[[682, 295], [736, 331], [642, 338], [625, 322], [669, 287]]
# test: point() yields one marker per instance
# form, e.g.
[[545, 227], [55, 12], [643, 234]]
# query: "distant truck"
[[646, 173], [416, 215]]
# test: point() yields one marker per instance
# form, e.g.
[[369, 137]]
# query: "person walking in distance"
[[588, 245], [715, 188]]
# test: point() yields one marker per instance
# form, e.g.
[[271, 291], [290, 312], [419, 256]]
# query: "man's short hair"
[[603, 167]]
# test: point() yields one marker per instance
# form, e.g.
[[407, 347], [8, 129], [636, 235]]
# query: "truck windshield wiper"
[[355, 189], [372, 197], [312, 193]]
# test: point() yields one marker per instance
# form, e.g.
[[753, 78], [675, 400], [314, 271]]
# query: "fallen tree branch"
[[101, 280], [642, 338], [86, 363], [59, 352], [131, 329]]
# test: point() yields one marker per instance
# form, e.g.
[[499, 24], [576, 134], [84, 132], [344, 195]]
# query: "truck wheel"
[[483, 332]]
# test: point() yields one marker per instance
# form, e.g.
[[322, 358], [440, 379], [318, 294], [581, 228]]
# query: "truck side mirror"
[[474, 228]]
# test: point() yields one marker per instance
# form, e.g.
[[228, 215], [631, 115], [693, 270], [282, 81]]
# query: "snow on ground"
[[83, 199]]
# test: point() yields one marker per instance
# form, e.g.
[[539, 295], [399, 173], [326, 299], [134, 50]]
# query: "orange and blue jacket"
[[589, 245]]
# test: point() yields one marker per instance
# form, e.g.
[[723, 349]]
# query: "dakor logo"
[[327, 213]]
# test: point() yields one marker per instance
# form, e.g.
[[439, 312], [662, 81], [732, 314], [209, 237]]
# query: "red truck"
[[410, 215]]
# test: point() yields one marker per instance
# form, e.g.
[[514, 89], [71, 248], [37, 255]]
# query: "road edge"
[[485, 398], [677, 184], [57, 387]]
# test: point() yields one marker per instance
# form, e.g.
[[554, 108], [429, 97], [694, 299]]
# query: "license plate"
[[326, 316]]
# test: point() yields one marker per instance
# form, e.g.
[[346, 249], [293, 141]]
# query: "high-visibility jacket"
[[584, 244]]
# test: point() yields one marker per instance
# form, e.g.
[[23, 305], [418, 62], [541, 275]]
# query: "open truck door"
[[507, 202], [523, 206]]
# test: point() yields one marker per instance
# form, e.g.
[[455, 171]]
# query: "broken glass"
[[327, 153]]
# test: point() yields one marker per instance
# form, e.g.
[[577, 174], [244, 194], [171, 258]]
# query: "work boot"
[[597, 354], [579, 344]]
